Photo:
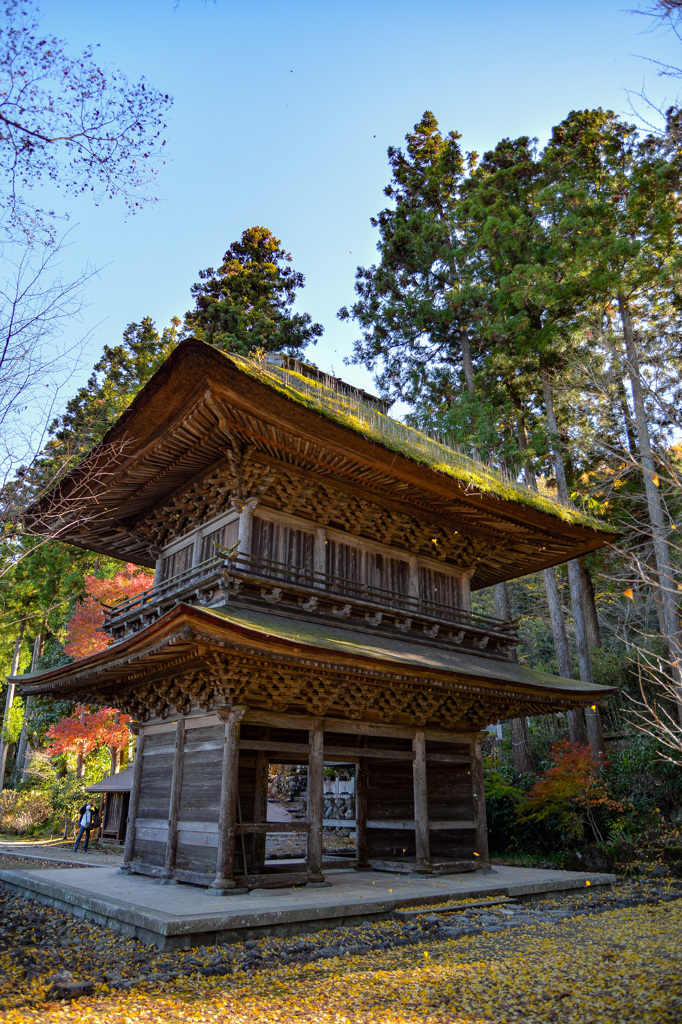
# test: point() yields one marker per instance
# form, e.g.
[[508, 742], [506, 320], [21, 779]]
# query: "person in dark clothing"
[[88, 819]]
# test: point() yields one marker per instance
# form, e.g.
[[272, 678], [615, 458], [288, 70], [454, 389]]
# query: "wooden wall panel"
[[391, 844], [452, 844], [449, 792], [149, 854], [391, 790], [390, 798], [247, 786], [197, 859], [157, 770], [201, 776]]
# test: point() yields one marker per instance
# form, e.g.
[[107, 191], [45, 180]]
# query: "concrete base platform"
[[180, 916]]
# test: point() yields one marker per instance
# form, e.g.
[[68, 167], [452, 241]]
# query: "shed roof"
[[121, 782]]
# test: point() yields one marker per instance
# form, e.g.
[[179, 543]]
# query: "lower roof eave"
[[191, 628]]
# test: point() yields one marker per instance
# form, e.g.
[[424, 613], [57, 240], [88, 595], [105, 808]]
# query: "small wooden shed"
[[115, 790]]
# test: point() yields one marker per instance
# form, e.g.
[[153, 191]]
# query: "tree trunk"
[[592, 717], [591, 616], [574, 719], [520, 741], [467, 363], [627, 419], [522, 757], [24, 747], [9, 700], [659, 532]]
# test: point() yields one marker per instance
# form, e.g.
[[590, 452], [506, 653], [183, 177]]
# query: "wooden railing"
[[251, 579]]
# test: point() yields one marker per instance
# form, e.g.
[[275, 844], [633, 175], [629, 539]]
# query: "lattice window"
[[440, 588], [280, 543], [225, 535], [176, 563]]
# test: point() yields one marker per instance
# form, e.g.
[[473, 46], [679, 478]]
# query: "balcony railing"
[[287, 589]]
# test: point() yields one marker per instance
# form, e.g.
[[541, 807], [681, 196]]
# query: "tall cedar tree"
[[621, 196], [247, 303], [118, 375]]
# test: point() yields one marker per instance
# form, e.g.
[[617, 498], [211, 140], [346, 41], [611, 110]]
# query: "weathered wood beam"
[[304, 722], [228, 799], [410, 825], [315, 801], [478, 793], [262, 828], [175, 797], [134, 805], [421, 809], [260, 801]]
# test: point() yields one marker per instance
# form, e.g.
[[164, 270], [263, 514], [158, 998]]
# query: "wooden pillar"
[[134, 805], [260, 803], [246, 510], [465, 592], [478, 793], [421, 808], [361, 799], [175, 796], [413, 578], [315, 801], [320, 552], [228, 798]]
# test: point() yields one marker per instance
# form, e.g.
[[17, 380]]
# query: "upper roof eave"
[[161, 402]]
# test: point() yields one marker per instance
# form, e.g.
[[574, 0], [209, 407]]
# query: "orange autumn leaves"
[[84, 631], [86, 730]]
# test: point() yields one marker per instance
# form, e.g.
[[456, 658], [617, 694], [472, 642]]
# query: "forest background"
[[524, 307]]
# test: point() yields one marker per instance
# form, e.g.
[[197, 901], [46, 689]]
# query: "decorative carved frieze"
[[244, 677], [311, 498]]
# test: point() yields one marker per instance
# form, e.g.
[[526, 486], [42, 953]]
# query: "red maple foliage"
[[574, 788], [84, 634], [85, 730]]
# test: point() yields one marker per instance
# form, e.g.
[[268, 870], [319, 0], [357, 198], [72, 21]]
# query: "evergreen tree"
[[247, 303]]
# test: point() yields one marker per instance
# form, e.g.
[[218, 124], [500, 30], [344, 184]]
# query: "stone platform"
[[181, 916]]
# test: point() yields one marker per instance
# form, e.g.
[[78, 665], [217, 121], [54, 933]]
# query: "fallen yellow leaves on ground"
[[618, 967]]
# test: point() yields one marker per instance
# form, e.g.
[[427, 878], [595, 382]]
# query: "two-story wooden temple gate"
[[312, 602], [419, 796]]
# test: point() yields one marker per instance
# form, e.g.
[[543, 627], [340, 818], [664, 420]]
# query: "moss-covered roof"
[[352, 412], [403, 653]]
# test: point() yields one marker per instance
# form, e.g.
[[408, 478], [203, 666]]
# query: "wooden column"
[[421, 809], [228, 798], [478, 791], [260, 802], [246, 510], [134, 805], [465, 591], [361, 799], [320, 552], [413, 577], [315, 802], [175, 796]]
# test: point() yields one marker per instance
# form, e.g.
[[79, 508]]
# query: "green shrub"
[[23, 813]]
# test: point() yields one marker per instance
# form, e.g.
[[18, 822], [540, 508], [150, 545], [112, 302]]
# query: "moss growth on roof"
[[350, 411], [405, 653]]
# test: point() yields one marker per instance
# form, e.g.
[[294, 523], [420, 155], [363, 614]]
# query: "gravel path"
[[47, 955]]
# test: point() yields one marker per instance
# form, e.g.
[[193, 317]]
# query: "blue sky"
[[283, 113]]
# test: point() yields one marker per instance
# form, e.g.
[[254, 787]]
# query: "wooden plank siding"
[[417, 802]]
